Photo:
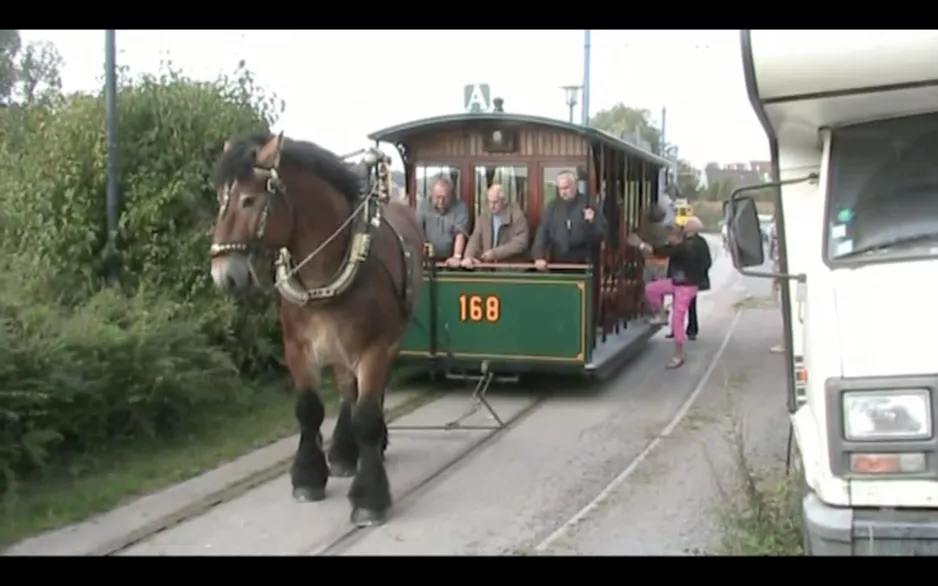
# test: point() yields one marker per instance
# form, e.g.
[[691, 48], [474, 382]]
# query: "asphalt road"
[[656, 435]]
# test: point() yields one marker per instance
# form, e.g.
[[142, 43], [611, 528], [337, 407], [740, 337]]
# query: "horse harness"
[[366, 218]]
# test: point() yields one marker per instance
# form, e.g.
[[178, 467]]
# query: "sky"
[[340, 86]]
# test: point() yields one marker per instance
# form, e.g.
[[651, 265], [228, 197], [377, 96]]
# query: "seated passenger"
[[500, 232], [570, 227], [445, 222]]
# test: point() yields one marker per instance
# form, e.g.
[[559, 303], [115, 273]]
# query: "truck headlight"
[[895, 415]]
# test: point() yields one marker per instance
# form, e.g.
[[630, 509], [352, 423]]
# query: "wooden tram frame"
[[465, 141]]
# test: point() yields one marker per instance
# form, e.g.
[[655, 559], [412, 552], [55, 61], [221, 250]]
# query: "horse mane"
[[237, 163]]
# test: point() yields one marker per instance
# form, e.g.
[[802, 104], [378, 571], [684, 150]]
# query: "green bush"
[[113, 370], [84, 366], [171, 130]]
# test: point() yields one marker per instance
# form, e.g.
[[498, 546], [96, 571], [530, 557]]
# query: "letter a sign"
[[476, 97]]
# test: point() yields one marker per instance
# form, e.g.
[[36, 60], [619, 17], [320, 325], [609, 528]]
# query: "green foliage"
[[27, 74], [39, 72], [9, 46], [116, 369], [620, 119], [85, 366], [765, 519], [761, 514], [171, 131], [688, 180]]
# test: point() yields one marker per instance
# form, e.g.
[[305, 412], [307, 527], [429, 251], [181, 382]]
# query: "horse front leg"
[[370, 493], [343, 453], [309, 472]]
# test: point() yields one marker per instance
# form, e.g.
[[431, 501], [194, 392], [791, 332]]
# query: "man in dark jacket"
[[692, 235], [570, 228]]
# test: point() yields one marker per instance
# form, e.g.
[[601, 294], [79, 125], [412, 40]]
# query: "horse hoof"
[[362, 517], [304, 494], [341, 470]]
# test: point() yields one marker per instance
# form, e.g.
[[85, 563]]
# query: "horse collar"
[[367, 220]]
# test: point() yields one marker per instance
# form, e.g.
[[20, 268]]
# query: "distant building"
[[739, 174]]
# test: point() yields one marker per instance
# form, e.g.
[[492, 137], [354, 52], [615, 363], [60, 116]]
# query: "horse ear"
[[227, 146], [267, 154]]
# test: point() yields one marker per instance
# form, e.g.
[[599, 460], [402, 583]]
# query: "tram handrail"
[[519, 266]]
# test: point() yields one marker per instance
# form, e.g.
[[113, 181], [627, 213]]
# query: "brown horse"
[[349, 274]]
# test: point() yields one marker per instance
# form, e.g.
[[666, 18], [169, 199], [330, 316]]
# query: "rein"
[[365, 218]]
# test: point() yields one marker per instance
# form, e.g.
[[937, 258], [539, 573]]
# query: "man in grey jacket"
[[445, 222], [570, 229]]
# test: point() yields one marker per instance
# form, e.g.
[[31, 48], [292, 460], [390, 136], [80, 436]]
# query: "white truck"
[[852, 123]]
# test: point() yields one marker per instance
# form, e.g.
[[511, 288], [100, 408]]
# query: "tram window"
[[550, 181], [512, 178], [426, 176]]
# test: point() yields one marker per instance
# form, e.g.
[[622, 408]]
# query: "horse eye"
[[247, 201]]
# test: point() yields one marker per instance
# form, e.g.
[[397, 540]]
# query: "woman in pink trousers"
[[687, 267]]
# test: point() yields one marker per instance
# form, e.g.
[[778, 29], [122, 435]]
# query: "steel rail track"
[[353, 535], [241, 487], [349, 537]]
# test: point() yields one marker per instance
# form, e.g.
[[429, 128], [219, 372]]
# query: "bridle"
[[364, 218], [273, 187]]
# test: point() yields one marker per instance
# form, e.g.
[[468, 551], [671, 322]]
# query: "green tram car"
[[571, 319]]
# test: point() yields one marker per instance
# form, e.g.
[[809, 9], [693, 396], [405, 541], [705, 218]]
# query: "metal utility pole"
[[571, 93], [586, 78], [110, 97], [663, 149]]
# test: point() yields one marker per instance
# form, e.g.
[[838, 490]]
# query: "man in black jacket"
[[692, 234], [570, 228]]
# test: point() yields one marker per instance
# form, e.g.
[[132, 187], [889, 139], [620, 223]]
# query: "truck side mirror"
[[744, 235]]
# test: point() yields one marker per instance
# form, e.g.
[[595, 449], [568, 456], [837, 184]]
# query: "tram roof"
[[401, 132]]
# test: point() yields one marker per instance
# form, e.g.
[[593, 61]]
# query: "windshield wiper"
[[881, 246]]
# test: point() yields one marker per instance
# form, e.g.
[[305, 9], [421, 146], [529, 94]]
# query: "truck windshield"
[[883, 190]]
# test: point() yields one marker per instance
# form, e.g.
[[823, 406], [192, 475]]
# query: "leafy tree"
[[688, 180], [28, 73], [39, 67], [9, 47], [621, 120]]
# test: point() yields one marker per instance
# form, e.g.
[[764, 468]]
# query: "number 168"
[[477, 308]]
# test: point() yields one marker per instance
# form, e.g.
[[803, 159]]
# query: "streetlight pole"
[[110, 97], [586, 78], [571, 94]]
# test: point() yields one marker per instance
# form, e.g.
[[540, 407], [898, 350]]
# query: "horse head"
[[253, 210], [274, 193]]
